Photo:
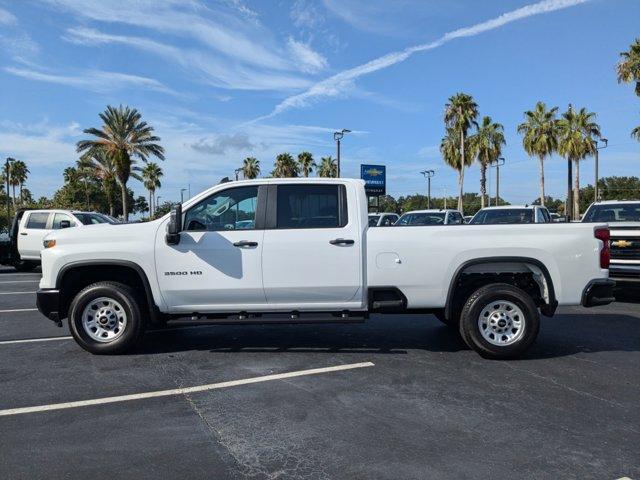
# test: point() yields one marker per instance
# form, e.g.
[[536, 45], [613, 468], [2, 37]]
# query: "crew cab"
[[29, 227], [623, 218], [310, 256], [511, 214]]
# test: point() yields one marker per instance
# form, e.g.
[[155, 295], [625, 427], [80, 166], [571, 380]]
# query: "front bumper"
[[48, 303], [598, 292]]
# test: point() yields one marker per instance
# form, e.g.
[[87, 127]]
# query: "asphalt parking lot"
[[395, 397]]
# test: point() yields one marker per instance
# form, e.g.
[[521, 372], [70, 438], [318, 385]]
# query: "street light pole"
[[237, 171], [337, 136], [8, 175], [499, 162], [428, 174], [182, 190], [595, 186]]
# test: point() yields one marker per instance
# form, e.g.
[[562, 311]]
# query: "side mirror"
[[65, 223], [175, 225]]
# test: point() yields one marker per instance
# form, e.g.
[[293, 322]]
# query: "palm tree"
[[306, 163], [629, 65], [576, 141], [635, 133], [460, 114], [124, 137], [103, 167], [451, 153], [19, 174], [328, 167], [540, 136], [489, 140], [285, 166], [251, 168], [151, 175]]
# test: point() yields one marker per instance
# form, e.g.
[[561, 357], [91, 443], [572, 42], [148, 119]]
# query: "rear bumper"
[[48, 303], [598, 292]]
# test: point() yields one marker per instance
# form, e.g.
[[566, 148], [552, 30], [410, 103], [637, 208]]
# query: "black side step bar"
[[245, 318]]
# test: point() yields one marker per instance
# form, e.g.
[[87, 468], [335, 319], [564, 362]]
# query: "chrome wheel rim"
[[104, 319], [501, 323]]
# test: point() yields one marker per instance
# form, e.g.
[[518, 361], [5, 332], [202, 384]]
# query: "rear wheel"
[[499, 321], [105, 318]]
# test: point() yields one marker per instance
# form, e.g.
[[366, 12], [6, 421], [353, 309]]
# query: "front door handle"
[[245, 243], [23, 233], [342, 241]]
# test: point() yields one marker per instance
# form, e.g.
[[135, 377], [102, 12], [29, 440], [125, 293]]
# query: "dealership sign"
[[375, 179]]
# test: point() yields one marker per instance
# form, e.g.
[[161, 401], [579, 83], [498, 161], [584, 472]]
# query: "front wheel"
[[499, 321], [105, 318]]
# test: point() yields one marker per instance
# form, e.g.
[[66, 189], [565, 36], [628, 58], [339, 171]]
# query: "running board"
[[244, 318], [387, 304]]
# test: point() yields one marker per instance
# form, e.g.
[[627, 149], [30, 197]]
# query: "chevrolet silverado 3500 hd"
[[300, 251]]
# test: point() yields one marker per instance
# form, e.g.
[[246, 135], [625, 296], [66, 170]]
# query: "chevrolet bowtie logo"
[[621, 243]]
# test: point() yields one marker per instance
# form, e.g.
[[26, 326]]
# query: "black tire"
[[125, 296], [484, 297], [25, 265]]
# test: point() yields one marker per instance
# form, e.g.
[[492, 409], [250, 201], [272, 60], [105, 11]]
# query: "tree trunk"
[[460, 207], [483, 184], [13, 188], [576, 193], [125, 212], [460, 188], [542, 181], [150, 206]]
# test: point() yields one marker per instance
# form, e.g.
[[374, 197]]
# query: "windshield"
[[91, 218], [373, 220], [629, 212], [506, 216], [435, 218]]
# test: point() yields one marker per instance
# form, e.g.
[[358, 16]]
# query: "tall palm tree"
[[451, 153], [328, 167], [460, 114], [103, 167], [151, 175], [285, 166], [306, 163], [19, 174], [489, 140], [251, 168], [540, 136], [635, 133], [629, 65], [576, 141], [124, 136]]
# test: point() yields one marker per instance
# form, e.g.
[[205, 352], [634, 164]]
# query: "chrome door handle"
[[342, 241], [245, 243]]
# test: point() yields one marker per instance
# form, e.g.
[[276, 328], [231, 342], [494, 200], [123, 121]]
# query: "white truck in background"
[[301, 251]]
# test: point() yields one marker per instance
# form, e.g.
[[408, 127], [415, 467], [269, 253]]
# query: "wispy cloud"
[[221, 144], [215, 71], [7, 18], [337, 84], [310, 60], [95, 80]]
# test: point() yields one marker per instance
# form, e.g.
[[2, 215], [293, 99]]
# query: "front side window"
[[90, 218], [37, 220], [231, 209], [59, 217], [311, 206], [413, 219], [389, 220], [455, 218], [373, 220]]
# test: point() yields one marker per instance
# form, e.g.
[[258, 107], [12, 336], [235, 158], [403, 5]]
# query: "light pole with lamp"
[[237, 171], [498, 163], [337, 136], [7, 171], [595, 186], [428, 174]]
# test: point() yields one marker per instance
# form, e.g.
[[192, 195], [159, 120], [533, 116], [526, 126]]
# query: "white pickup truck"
[[301, 251]]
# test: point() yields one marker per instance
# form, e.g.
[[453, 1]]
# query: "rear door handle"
[[245, 243], [342, 241]]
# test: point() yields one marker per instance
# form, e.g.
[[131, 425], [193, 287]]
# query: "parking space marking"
[[15, 293], [33, 340], [181, 391], [22, 281], [14, 310]]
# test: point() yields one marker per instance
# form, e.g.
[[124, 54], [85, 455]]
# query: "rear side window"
[[311, 206], [37, 220]]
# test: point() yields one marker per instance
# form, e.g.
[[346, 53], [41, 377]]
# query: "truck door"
[[217, 264], [33, 229], [312, 254]]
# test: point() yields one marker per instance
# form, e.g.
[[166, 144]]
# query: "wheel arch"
[[509, 264]]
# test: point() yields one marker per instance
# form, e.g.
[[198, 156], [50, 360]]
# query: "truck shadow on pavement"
[[566, 335]]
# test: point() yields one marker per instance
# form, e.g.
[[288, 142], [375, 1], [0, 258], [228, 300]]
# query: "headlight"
[[49, 243]]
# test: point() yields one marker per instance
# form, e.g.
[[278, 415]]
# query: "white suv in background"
[[511, 214], [430, 217]]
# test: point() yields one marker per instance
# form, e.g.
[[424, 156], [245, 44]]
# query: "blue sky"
[[221, 80]]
